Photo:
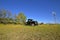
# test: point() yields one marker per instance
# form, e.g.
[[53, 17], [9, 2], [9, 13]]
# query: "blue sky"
[[40, 10]]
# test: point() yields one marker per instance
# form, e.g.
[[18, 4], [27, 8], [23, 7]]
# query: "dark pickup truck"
[[31, 22]]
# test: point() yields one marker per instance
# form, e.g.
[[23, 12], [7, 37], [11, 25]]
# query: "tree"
[[2, 13], [21, 18], [5, 16], [9, 14]]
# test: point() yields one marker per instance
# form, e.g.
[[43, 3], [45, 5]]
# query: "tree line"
[[6, 17]]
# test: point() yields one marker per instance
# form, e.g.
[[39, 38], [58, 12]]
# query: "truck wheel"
[[32, 24]]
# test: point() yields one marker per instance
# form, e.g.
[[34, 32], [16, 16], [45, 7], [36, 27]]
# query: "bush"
[[41, 23]]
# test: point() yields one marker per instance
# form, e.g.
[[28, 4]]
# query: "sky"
[[39, 10]]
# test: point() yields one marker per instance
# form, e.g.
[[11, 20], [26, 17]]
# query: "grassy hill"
[[22, 32]]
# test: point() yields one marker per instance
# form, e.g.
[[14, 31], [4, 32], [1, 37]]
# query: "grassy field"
[[22, 32]]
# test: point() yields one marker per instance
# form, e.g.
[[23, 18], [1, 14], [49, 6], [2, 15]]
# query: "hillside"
[[22, 32]]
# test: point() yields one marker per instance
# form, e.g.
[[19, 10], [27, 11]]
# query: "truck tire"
[[32, 24]]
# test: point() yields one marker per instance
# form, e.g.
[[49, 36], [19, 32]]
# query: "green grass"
[[22, 32]]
